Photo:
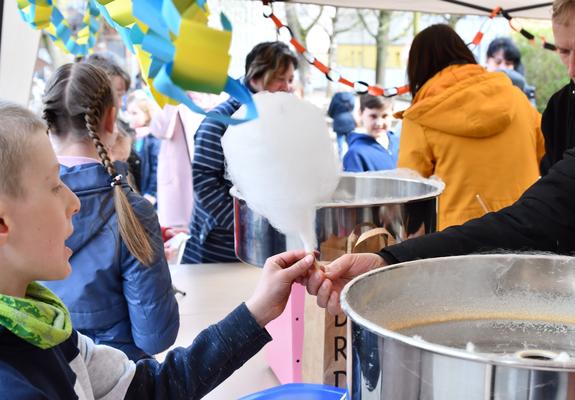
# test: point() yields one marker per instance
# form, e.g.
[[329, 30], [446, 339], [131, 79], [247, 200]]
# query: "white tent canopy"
[[516, 8]]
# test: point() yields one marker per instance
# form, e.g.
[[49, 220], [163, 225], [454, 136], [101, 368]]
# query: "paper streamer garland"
[[175, 48], [361, 87], [177, 51], [43, 14]]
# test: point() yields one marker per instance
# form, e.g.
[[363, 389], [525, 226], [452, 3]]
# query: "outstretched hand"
[[273, 290], [327, 285]]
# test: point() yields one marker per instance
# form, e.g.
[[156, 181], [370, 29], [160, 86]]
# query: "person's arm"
[[192, 372], [152, 306], [543, 219], [414, 150], [211, 189], [551, 132], [540, 140]]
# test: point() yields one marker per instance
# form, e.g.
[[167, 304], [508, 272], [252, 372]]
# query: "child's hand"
[[273, 290]]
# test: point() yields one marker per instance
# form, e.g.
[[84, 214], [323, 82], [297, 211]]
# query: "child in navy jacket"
[[41, 356], [374, 147]]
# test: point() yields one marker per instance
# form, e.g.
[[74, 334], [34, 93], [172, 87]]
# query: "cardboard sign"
[[325, 339]]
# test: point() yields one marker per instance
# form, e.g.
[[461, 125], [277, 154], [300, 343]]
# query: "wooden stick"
[[317, 265], [482, 204]]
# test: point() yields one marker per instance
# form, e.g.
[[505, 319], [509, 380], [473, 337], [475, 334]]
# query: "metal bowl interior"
[[501, 309], [355, 190]]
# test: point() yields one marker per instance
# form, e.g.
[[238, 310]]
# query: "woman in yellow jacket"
[[470, 127]]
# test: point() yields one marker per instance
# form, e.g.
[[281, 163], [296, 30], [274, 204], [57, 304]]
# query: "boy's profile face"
[[35, 225], [376, 121]]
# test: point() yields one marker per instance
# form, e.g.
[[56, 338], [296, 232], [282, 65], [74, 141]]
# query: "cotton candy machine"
[[474, 327], [404, 206]]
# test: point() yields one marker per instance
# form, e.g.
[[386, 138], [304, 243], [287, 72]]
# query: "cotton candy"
[[283, 163]]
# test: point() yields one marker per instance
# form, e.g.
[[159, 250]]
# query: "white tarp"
[[444, 7]]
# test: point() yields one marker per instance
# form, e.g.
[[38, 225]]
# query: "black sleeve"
[[557, 127], [547, 128], [543, 219], [192, 372]]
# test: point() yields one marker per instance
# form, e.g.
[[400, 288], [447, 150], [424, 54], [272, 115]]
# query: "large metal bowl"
[[473, 327], [406, 207]]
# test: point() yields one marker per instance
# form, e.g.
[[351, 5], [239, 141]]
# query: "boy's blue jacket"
[[112, 297], [366, 154]]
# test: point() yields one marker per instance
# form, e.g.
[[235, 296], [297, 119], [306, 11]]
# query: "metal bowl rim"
[[488, 358], [437, 186]]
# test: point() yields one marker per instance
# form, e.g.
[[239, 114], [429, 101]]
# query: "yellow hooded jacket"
[[479, 134]]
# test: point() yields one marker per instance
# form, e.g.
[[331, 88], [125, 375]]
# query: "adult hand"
[[327, 285], [273, 290]]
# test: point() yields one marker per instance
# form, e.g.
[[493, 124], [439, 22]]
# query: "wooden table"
[[212, 291]]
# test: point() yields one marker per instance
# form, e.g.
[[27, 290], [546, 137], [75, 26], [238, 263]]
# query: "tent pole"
[[531, 7], [487, 10]]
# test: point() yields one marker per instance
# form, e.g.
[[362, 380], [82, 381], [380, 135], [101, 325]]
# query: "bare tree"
[[416, 22], [381, 36], [300, 33], [340, 22]]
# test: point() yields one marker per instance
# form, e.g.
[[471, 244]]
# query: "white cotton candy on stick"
[[283, 163]]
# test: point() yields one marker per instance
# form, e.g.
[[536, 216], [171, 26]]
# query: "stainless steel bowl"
[[473, 327], [406, 207]]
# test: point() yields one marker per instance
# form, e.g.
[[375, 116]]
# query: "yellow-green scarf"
[[40, 318]]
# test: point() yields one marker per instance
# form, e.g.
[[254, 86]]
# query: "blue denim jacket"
[[112, 297]]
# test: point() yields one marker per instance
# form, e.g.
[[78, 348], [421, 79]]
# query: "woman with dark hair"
[[470, 127]]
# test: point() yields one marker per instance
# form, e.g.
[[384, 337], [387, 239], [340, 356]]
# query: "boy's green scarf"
[[40, 318]]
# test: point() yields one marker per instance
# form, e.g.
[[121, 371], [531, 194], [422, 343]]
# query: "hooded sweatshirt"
[[111, 296], [365, 153], [341, 110], [479, 134]]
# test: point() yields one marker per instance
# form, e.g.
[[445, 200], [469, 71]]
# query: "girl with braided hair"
[[120, 291]]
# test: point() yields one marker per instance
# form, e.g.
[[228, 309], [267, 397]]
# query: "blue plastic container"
[[299, 391]]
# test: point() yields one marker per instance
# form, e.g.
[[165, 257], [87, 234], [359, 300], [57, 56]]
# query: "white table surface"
[[212, 291]]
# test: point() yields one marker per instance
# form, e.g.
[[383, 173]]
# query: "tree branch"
[[364, 23], [404, 32], [313, 22], [347, 28]]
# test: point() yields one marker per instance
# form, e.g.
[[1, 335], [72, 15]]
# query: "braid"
[[48, 119], [93, 118], [131, 229]]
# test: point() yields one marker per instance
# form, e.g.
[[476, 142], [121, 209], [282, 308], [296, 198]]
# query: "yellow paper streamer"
[[201, 60]]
